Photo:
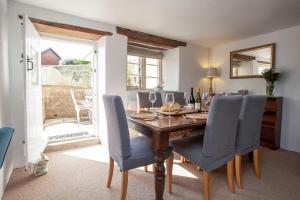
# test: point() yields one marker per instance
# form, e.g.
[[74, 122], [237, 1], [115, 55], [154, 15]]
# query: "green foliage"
[[271, 75], [75, 62]]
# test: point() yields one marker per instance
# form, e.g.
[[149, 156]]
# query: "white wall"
[[193, 62], [4, 70], [16, 68], [170, 69], [112, 62], [184, 67], [7, 167], [116, 66], [50, 15], [287, 58]]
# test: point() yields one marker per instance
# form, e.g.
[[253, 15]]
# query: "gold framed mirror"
[[251, 62]]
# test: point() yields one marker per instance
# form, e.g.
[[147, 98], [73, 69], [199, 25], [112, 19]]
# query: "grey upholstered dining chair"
[[248, 134], [217, 146], [179, 97], [143, 100], [127, 153]]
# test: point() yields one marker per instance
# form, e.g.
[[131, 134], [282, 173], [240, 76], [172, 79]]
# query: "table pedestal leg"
[[159, 174]]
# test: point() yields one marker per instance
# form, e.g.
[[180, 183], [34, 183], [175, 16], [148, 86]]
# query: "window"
[[143, 72], [133, 72]]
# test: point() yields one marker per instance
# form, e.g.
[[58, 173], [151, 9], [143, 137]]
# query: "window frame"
[[142, 73]]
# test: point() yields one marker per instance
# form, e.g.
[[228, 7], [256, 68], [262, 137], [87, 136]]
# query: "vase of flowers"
[[271, 76]]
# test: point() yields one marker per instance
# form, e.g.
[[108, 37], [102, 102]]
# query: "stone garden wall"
[[57, 101]]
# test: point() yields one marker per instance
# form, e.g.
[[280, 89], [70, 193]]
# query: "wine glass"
[[152, 98], [170, 101], [205, 100]]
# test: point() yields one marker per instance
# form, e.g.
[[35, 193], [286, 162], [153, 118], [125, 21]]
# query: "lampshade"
[[212, 72]]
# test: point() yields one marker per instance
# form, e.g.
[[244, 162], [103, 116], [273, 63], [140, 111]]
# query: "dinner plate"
[[145, 116], [182, 111], [167, 113]]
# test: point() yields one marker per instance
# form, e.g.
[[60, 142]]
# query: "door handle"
[[30, 64], [22, 58]]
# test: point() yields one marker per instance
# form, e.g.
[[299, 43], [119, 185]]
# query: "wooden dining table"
[[160, 129]]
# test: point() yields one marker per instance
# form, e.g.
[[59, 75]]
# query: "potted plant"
[[271, 76]]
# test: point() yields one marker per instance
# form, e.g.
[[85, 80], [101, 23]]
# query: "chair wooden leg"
[[169, 172], [230, 175], [206, 185], [124, 185], [146, 168], [182, 159], [256, 162], [238, 168], [110, 172]]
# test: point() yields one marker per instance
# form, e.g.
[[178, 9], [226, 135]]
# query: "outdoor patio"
[[67, 128]]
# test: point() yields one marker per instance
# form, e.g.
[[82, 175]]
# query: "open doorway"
[[60, 96], [67, 90]]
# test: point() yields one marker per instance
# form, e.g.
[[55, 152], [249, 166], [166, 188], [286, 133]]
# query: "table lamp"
[[211, 73]]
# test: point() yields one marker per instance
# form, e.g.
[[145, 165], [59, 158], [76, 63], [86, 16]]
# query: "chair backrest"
[[117, 127], [179, 97], [143, 100], [248, 134], [221, 126]]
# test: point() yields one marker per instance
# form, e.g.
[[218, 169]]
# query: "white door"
[[95, 92], [35, 141], [101, 89]]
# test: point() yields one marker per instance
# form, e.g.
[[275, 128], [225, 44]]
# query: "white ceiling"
[[203, 22]]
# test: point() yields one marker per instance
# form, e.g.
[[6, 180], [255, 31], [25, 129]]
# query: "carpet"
[[81, 174]]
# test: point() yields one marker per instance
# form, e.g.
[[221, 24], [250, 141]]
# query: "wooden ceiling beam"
[[147, 46], [67, 30], [242, 57], [149, 39], [264, 62]]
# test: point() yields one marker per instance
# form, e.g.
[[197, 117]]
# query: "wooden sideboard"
[[271, 124]]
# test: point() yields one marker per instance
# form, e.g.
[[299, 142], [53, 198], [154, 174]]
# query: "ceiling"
[[202, 22]]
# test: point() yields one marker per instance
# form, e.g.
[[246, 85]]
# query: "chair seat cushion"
[[246, 149], [142, 154], [191, 148]]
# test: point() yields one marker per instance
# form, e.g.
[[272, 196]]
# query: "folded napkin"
[[143, 115], [198, 116]]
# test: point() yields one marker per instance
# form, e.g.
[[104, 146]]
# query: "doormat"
[[68, 136]]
